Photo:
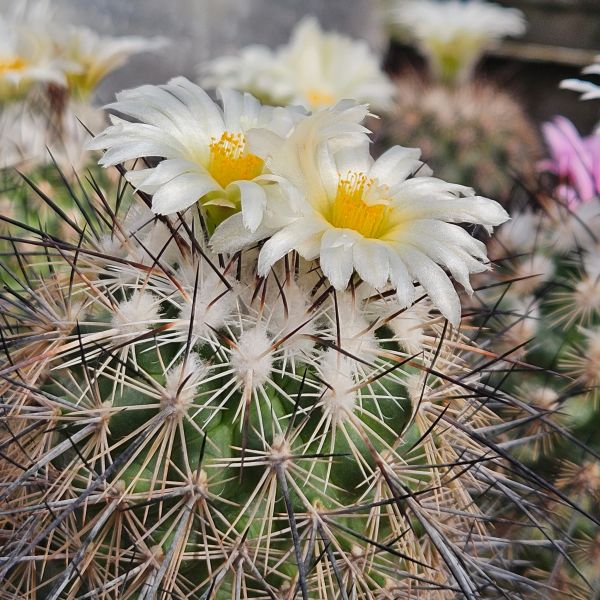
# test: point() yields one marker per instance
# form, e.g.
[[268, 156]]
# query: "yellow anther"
[[230, 162], [350, 211]]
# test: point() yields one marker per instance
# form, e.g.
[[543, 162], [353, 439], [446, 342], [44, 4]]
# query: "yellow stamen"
[[12, 64], [350, 211], [318, 99], [229, 162]]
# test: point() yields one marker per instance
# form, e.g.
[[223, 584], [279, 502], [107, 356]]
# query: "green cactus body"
[[177, 427]]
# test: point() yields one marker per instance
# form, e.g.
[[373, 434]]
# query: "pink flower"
[[573, 159]]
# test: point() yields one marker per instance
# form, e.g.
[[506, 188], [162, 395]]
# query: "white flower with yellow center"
[[206, 157], [26, 57], [339, 125], [316, 69], [453, 34], [354, 213], [92, 56]]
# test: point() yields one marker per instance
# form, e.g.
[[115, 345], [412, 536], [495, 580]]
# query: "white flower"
[[333, 201], [24, 136], [356, 213], [454, 33], [92, 56], [521, 235], [340, 125], [315, 69], [26, 57], [31, 136], [203, 145], [588, 89]]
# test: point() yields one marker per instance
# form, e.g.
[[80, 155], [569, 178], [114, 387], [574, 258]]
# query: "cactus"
[[543, 302], [175, 426], [475, 134]]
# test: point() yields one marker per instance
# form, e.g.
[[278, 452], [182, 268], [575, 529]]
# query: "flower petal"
[[181, 192], [288, 238], [232, 235], [434, 281], [254, 201], [395, 165], [336, 256], [371, 262]]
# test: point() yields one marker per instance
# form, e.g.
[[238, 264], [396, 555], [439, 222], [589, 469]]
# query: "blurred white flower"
[[316, 69], [31, 138], [204, 147], [48, 70], [93, 56], [354, 213], [27, 56], [453, 34], [588, 89], [24, 136]]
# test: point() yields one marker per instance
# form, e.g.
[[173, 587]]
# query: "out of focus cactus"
[[476, 134], [174, 426]]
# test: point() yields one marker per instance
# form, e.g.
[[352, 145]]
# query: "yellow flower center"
[[317, 98], [14, 63], [350, 211], [230, 162]]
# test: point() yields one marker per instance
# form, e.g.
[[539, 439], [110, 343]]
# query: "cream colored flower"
[[203, 145], [27, 57], [93, 56], [308, 183], [453, 34], [24, 136], [315, 69], [375, 217], [588, 89]]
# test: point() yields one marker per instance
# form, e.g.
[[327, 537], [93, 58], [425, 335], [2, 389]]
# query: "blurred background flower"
[[315, 69], [587, 88], [453, 34], [575, 160]]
